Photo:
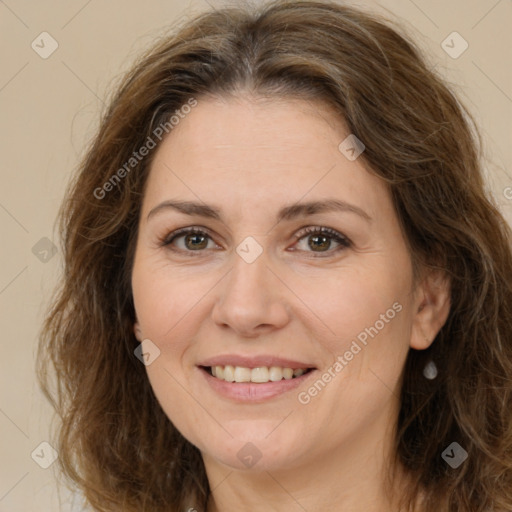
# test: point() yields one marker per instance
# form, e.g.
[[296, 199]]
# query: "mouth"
[[258, 375], [243, 378]]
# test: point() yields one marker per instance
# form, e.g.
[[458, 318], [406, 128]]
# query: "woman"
[[285, 287]]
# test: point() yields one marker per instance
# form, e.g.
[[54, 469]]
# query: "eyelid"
[[309, 230], [169, 237], [343, 241], [177, 233]]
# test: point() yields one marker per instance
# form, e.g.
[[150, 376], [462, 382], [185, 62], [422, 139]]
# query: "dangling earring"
[[430, 370]]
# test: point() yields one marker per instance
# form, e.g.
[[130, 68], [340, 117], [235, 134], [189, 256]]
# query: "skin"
[[250, 157]]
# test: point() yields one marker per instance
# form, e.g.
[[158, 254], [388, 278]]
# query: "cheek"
[[369, 324], [164, 300], [165, 310], [355, 301], [368, 320]]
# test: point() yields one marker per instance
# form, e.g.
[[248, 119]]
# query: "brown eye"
[[321, 240], [189, 240], [194, 241]]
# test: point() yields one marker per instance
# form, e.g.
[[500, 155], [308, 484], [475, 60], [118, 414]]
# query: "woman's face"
[[297, 262]]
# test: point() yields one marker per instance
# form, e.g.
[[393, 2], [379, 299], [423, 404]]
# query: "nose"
[[251, 299]]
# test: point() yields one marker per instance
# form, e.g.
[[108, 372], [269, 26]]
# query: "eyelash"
[[342, 240]]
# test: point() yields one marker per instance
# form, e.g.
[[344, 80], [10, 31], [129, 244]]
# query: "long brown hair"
[[114, 440]]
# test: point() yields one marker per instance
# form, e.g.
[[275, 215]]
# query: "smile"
[[243, 384], [259, 375]]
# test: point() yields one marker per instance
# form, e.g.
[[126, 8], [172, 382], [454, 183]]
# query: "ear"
[[432, 306], [137, 331]]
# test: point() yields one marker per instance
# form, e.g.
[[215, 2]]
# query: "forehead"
[[221, 124], [259, 152]]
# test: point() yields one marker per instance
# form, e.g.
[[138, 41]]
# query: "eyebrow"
[[289, 212]]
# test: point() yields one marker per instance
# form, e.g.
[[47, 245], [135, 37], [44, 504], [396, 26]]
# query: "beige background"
[[50, 108]]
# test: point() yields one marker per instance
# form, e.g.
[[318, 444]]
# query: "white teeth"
[[287, 373], [219, 371], [275, 373], [261, 374], [242, 374], [229, 373]]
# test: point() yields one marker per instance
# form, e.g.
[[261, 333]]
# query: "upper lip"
[[254, 361]]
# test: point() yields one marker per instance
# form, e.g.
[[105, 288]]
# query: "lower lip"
[[250, 391]]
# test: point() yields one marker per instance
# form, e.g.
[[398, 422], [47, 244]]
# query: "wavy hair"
[[115, 442]]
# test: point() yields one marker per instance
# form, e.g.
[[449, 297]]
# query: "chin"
[[256, 454]]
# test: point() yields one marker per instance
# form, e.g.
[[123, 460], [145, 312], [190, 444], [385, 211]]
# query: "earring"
[[430, 370]]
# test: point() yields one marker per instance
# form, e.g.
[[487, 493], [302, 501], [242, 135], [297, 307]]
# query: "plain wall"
[[49, 110]]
